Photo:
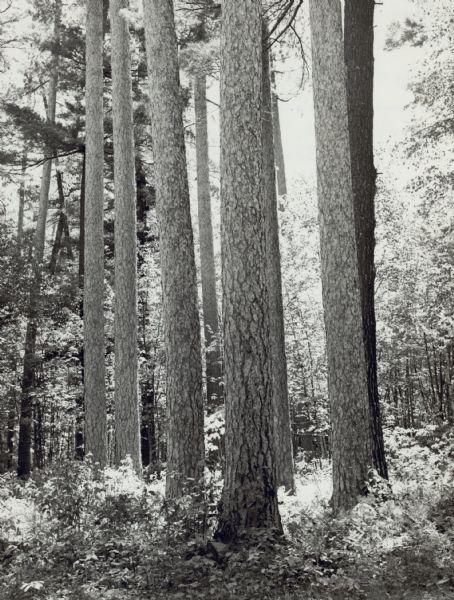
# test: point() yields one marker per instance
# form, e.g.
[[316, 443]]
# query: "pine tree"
[[347, 385], [359, 59], [127, 433], [28, 378], [249, 498], [185, 437], [209, 298], [282, 431], [94, 363], [277, 136]]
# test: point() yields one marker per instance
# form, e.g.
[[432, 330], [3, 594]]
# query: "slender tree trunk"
[[282, 431], [148, 428], [20, 217], [24, 462], [185, 437], [62, 233], [215, 396], [11, 432], [277, 136], [359, 59], [79, 426], [105, 15], [249, 498], [94, 347], [347, 382], [127, 420], [81, 269]]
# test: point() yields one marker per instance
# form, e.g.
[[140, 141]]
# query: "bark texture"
[[94, 365], [215, 396], [79, 449], [24, 462], [185, 442], [127, 421], [282, 431], [277, 135], [359, 60], [347, 385], [249, 497]]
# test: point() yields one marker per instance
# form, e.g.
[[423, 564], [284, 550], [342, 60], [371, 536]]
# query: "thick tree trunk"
[[94, 350], [347, 384], [277, 136], [359, 59], [24, 462], [127, 420], [282, 431], [215, 396], [249, 498], [185, 441]]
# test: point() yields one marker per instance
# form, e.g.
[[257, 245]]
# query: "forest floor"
[[67, 535]]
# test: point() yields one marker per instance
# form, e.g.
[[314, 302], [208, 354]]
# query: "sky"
[[392, 75]]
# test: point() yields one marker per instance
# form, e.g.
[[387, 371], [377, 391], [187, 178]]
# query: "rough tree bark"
[[24, 462], [277, 136], [282, 430], [185, 438], [347, 385], [127, 420], [249, 497], [94, 364], [359, 59], [215, 396]]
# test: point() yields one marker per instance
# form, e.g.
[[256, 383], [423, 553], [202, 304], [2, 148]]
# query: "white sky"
[[392, 74]]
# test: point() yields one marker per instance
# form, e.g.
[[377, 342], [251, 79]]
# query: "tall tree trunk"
[[185, 437], [277, 136], [215, 396], [94, 349], [20, 217], [249, 498], [127, 420], [347, 384], [24, 462], [282, 431], [359, 59], [79, 426]]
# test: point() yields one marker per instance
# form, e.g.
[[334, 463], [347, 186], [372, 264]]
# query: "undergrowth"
[[72, 533]]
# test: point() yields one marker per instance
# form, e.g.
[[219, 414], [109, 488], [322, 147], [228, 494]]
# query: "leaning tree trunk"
[[282, 431], [127, 420], [24, 462], [215, 396], [277, 136], [94, 365], [185, 437], [347, 385], [249, 498], [359, 59]]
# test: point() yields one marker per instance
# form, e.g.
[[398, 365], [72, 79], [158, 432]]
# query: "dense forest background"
[[70, 530]]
